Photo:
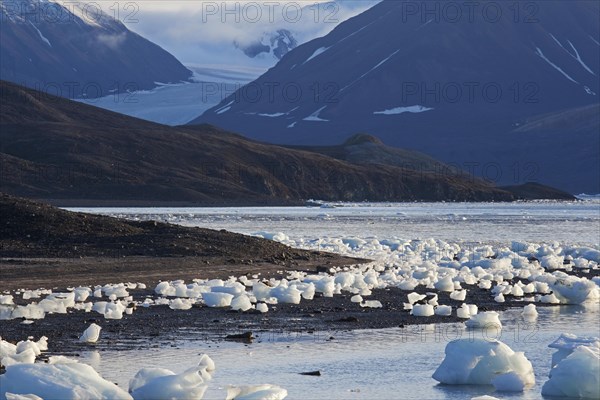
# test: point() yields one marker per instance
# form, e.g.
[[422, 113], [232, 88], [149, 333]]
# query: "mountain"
[[367, 149], [278, 44], [75, 50], [54, 148], [456, 84]]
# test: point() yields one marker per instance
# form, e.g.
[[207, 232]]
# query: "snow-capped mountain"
[[453, 81], [278, 44], [75, 50]]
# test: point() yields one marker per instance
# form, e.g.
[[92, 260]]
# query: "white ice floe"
[[530, 311], [256, 392], [481, 362], [59, 381], [567, 342], [484, 320], [24, 352], [576, 373], [160, 383]]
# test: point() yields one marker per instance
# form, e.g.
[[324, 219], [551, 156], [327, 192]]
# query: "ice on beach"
[[372, 304], [414, 297], [459, 295], [277, 236], [577, 375], [256, 392], [58, 381], [6, 300], [262, 307], [573, 290], [241, 303], [180, 304], [91, 334], [444, 311], [216, 299], [479, 362], [422, 310]]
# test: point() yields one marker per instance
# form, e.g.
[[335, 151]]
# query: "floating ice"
[[256, 392], [478, 362], [567, 342], [58, 381], [509, 382], [159, 383], [484, 320], [529, 311], [576, 376]]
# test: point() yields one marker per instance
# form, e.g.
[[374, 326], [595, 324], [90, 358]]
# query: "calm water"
[[380, 364], [565, 222]]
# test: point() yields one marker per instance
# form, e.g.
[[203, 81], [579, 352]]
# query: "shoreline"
[[157, 325]]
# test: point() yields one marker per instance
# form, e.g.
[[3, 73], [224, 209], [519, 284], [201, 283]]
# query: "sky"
[[203, 32]]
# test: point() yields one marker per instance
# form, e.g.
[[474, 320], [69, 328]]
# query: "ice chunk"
[[478, 362], [509, 382], [459, 295], [59, 381], [484, 320], [91, 334], [372, 304], [443, 310], [445, 284], [241, 303], [216, 299], [529, 311], [159, 383], [256, 392], [422, 310], [567, 342], [576, 376]]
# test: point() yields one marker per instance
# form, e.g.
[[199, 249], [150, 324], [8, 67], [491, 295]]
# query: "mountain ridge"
[[99, 156], [456, 91]]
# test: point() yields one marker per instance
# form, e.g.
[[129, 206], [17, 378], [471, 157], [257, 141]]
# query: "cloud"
[[203, 32], [113, 41]]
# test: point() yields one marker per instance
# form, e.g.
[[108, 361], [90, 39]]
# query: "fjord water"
[[564, 222], [367, 364]]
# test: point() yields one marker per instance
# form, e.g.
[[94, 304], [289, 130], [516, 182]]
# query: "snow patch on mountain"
[[314, 117], [539, 52], [578, 58], [317, 53], [401, 110], [371, 70], [44, 39]]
